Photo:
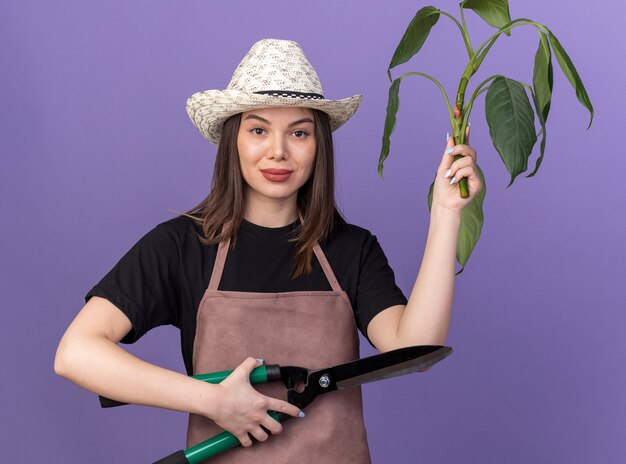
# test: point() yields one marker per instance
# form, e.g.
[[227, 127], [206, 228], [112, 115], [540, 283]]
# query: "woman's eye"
[[300, 134]]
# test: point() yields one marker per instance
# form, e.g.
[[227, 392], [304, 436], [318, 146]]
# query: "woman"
[[288, 279]]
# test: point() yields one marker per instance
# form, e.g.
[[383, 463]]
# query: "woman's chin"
[[274, 194]]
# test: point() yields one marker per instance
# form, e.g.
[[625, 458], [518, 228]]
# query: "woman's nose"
[[278, 150]]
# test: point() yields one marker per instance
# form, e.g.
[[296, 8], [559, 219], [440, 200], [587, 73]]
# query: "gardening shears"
[[316, 382]]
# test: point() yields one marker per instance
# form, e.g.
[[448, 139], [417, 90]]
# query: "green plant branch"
[[479, 59], [443, 91], [462, 15], [464, 34], [477, 92], [473, 65], [468, 44], [508, 27], [468, 110], [530, 89], [507, 109]]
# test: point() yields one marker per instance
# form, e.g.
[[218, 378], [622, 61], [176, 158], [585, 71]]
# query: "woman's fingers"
[[462, 149], [259, 430], [463, 167], [449, 141], [452, 150], [451, 171], [244, 410], [260, 434], [461, 173], [284, 407], [272, 425], [244, 440], [268, 424], [246, 367], [446, 160], [456, 169], [458, 165]]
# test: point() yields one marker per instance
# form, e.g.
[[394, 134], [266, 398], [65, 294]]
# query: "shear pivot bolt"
[[324, 381]]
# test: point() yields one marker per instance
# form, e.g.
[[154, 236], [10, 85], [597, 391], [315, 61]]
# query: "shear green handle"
[[258, 375], [261, 374], [209, 448]]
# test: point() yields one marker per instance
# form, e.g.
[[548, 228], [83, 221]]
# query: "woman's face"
[[276, 152]]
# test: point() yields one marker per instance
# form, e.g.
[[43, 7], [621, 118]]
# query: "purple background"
[[96, 149]]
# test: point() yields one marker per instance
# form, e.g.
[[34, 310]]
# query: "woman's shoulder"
[[181, 221], [345, 233], [351, 248], [179, 228]]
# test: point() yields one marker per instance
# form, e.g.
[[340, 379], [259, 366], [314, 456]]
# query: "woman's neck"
[[271, 214]]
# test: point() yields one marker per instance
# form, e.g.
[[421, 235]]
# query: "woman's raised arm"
[[426, 318]]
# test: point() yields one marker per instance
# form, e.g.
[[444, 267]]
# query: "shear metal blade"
[[387, 365]]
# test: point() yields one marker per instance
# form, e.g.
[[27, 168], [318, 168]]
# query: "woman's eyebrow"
[[295, 123]]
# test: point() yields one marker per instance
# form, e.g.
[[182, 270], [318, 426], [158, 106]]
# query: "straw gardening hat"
[[273, 73]]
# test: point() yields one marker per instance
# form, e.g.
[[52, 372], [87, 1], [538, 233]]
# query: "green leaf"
[[542, 121], [471, 222], [414, 36], [494, 12], [511, 124], [572, 75], [542, 91], [542, 76], [393, 103]]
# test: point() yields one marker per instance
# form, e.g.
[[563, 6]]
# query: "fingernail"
[[260, 360], [447, 136], [449, 150], [301, 414], [469, 124], [453, 180], [448, 173]]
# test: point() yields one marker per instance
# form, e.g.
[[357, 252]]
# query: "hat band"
[[292, 94]]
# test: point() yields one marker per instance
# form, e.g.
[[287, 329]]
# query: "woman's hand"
[[446, 195], [242, 410]]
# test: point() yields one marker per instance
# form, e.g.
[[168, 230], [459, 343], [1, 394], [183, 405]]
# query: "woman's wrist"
[[445, 216], [203, 399]]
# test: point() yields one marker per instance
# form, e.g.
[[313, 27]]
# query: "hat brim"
[[209, 109]]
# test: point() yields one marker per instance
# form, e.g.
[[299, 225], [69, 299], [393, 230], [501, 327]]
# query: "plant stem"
[[443, 91], [511, 25], [464, 34], [459, 119], [459, 136], [477, 92]]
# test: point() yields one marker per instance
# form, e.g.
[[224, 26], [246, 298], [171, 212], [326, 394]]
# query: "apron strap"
[[328, 271], [321, 257], [218, 267]]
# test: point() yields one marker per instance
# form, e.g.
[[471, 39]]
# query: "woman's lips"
[[276, 175]]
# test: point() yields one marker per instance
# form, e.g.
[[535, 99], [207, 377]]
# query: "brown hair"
[[221, 212]]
